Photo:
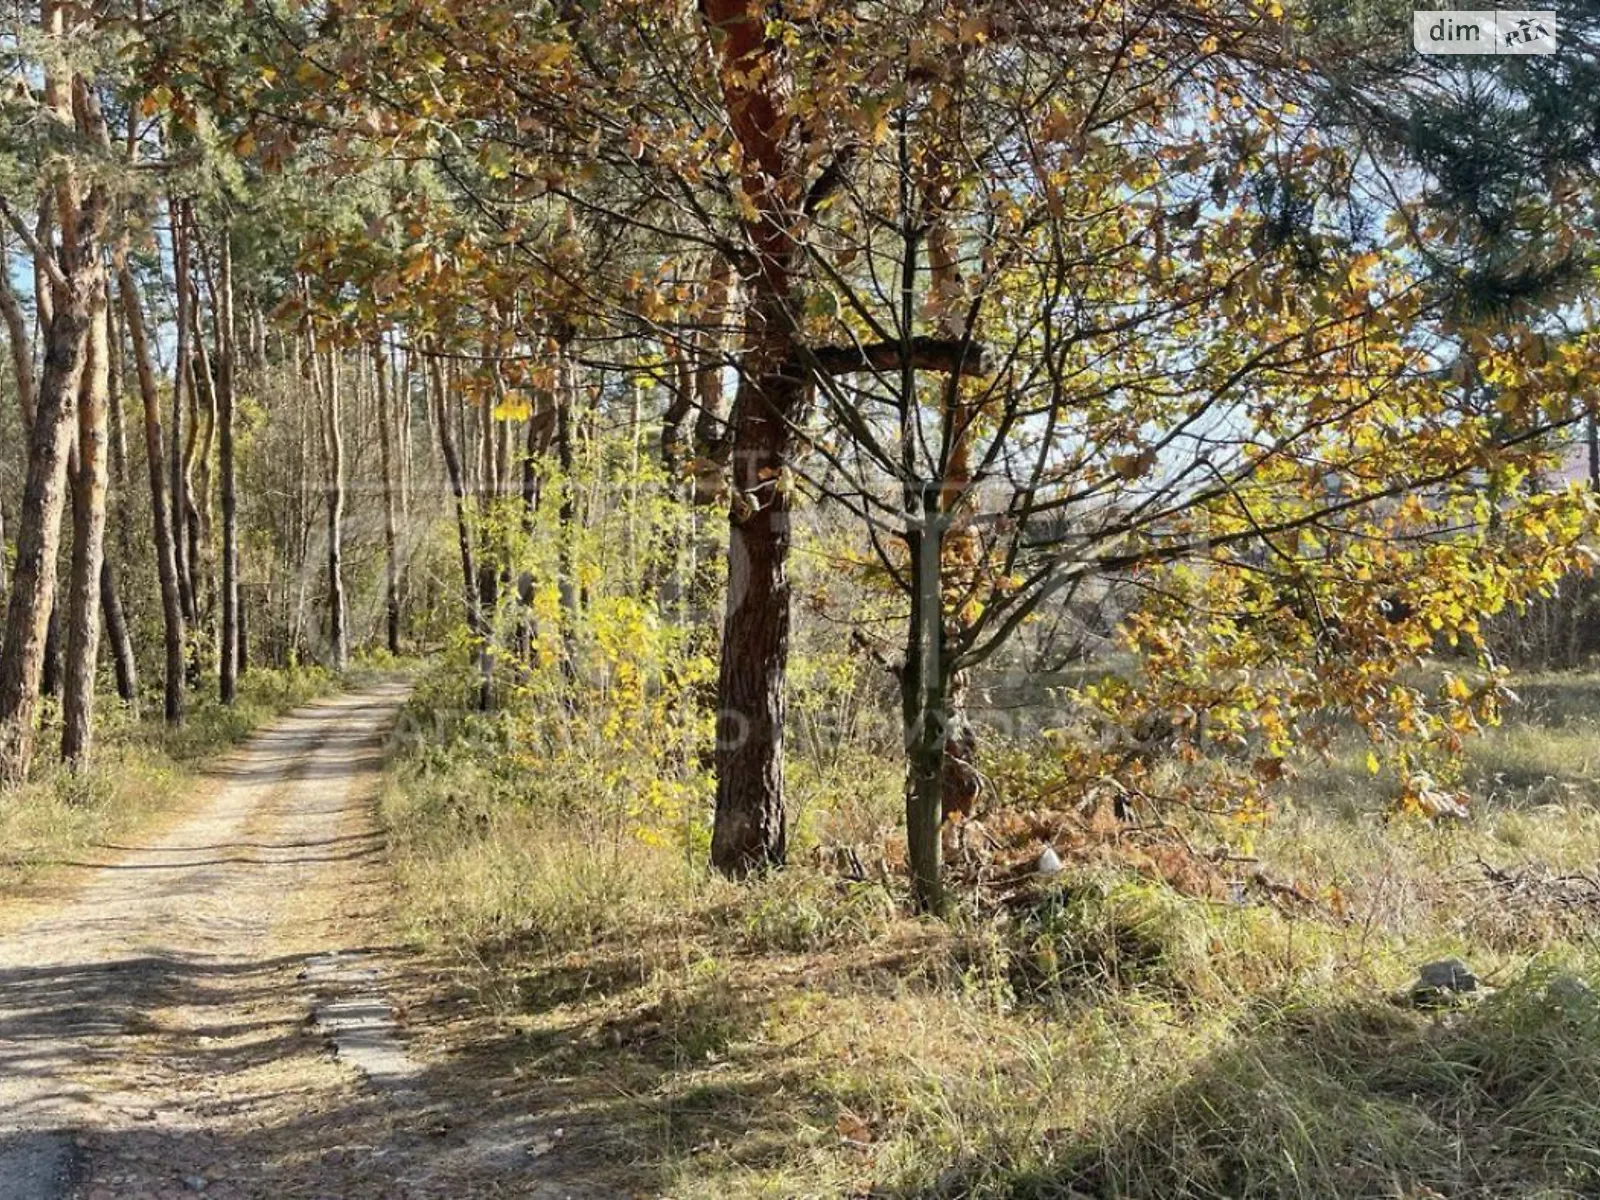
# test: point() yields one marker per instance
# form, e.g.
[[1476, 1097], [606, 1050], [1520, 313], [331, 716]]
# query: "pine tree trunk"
[[750, 832], [458, 488], [182, 436], [244, 631], [172, 614], [391, 544], [89, 484], [123, 660], [203, 420], [32, 601], [333, 495], [21, 344], [228, 671]]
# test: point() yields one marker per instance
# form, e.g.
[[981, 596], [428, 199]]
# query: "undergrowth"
[[1234, 1025]]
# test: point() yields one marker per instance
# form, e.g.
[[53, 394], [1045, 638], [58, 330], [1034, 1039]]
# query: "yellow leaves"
[[546, 56], [513, 406], [1359, 271]]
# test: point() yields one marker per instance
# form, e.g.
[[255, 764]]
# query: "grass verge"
[[1194, 1017]]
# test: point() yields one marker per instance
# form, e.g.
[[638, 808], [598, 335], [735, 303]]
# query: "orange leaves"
[[1133, 466], [854, 1132]]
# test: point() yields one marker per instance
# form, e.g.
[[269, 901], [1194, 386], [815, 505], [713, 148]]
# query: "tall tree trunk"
[[21, 343], [88, 543], [44, 497], [925, 692], [182, 437], [243, 647], [123, 660], [567, 516], [391, 544], [458, 488], [228, 672], [333, 496], [203, 420], [172, 615], [403, 387], [750, 832]]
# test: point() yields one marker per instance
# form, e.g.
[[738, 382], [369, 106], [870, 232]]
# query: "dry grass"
[[1105, 1033]]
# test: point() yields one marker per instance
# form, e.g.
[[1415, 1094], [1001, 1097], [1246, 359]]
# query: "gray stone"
[[1447, 981]]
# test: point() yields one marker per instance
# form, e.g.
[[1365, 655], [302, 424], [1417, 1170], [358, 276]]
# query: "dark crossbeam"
[[949, 356]]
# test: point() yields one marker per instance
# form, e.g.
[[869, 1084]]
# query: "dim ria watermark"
[[1484, 31]]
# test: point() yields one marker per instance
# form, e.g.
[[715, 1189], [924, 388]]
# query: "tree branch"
[[41, 253]]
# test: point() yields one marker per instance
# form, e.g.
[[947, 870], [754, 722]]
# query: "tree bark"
[[21, 344], [750, 831], [391, 542], [333, 497], [88, 543], [228, 670], [182, 438], [925, 694], [50, 672], [458, 488], [203, 420], [44, 498], [172, 613], [123, 660]]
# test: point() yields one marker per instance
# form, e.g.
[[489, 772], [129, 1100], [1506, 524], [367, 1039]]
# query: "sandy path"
[[156, 1031]]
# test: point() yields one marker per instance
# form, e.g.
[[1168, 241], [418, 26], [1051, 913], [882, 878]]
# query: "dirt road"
[[206, 1012]]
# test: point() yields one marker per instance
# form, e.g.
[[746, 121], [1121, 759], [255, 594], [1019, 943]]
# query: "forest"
[[947, 598]]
